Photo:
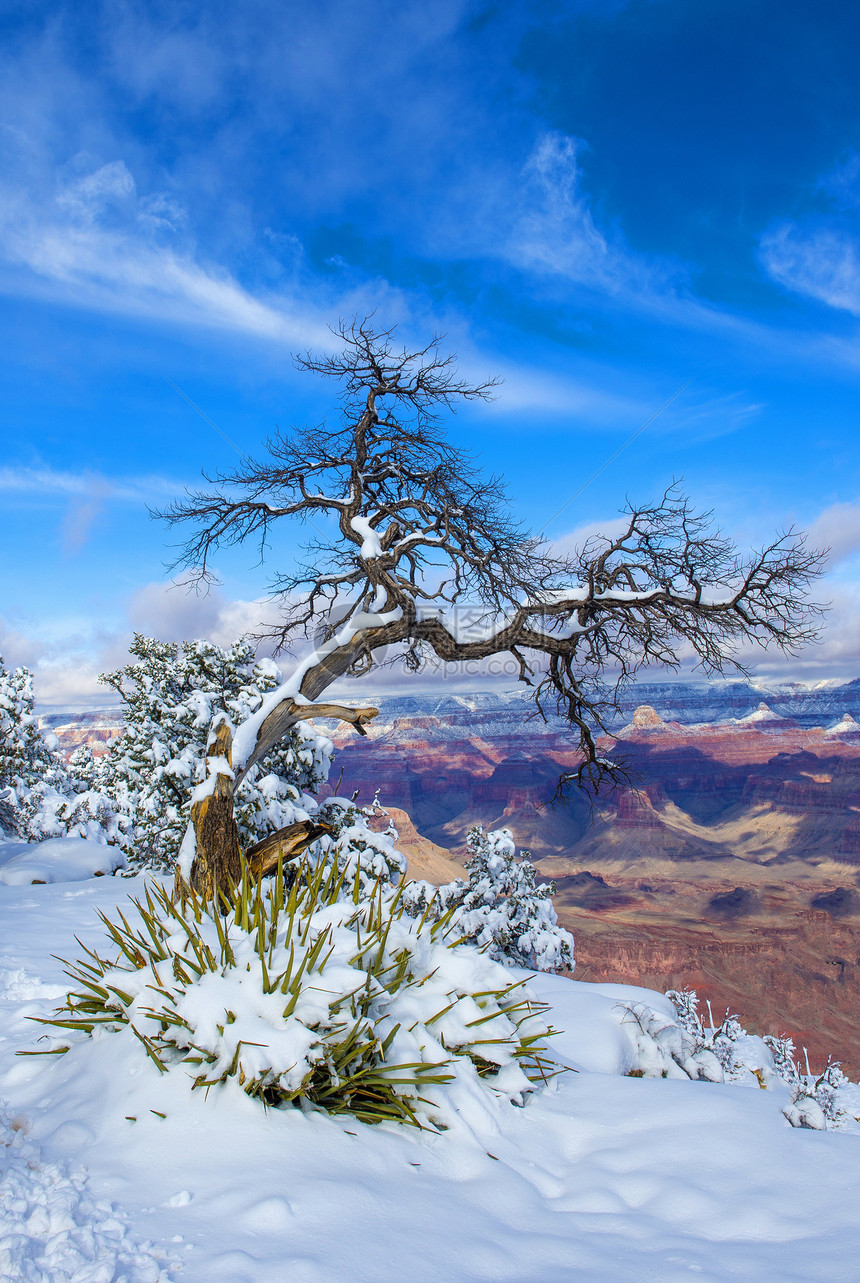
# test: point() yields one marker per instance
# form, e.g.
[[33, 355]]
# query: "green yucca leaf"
[[125, 998], [150, 1050], [443, 1012], [50, 1051], [86, 1026], [500, 993], [430, 975], [482, 1020]]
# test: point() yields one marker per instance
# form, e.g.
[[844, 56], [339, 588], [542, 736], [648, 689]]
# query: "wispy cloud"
[[67, 654], [38, 481], [557, 233], [573, 543], [85, 494], [94, 242], [822, 263], [591, 398], [837, 528], [818, 255]]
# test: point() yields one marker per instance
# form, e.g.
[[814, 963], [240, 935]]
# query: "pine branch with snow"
[[354, 849]]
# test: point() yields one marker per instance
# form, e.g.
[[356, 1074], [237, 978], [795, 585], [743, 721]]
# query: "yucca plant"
[[314, 994]]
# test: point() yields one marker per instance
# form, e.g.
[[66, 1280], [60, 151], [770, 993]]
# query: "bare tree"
[[418, 535]]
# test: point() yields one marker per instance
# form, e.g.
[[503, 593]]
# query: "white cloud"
[[837, 528], [86, 495], [571, 544], [87, 238], [836, 655], [556, 231], [91, 240], [93, 193], [35, 481], [544, 392], [559, 233], [176, 612], [822, 263], [67, 655]]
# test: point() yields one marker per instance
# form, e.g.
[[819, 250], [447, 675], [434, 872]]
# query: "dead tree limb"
[[285, 715], [284, 845]]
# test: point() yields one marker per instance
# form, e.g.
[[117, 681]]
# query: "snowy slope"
[[600, 1177]]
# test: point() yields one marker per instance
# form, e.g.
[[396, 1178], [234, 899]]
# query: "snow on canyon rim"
[[109, 1171]]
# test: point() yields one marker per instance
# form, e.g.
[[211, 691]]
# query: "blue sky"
[[595, 201]]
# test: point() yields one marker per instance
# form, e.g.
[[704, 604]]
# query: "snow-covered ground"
[[67, 859], [110, 1171]]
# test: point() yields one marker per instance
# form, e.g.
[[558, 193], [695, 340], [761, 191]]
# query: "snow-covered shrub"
[[90, 813], [78, 807], [171, 694], [738, 1056], [82, 768], [815, 1101], [40, 797], [500, 906], [665, 1048], [33, 781], [727, 1053], [26, 758], [827, 1091], [8, 826], [27, 763], [782, 1051], [313, 998], [356, 850]]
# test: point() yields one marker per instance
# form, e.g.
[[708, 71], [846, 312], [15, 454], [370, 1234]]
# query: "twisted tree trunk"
[[210, 858], [217, 864]]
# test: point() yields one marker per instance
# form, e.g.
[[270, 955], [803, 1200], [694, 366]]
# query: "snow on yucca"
[[314, 996]]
